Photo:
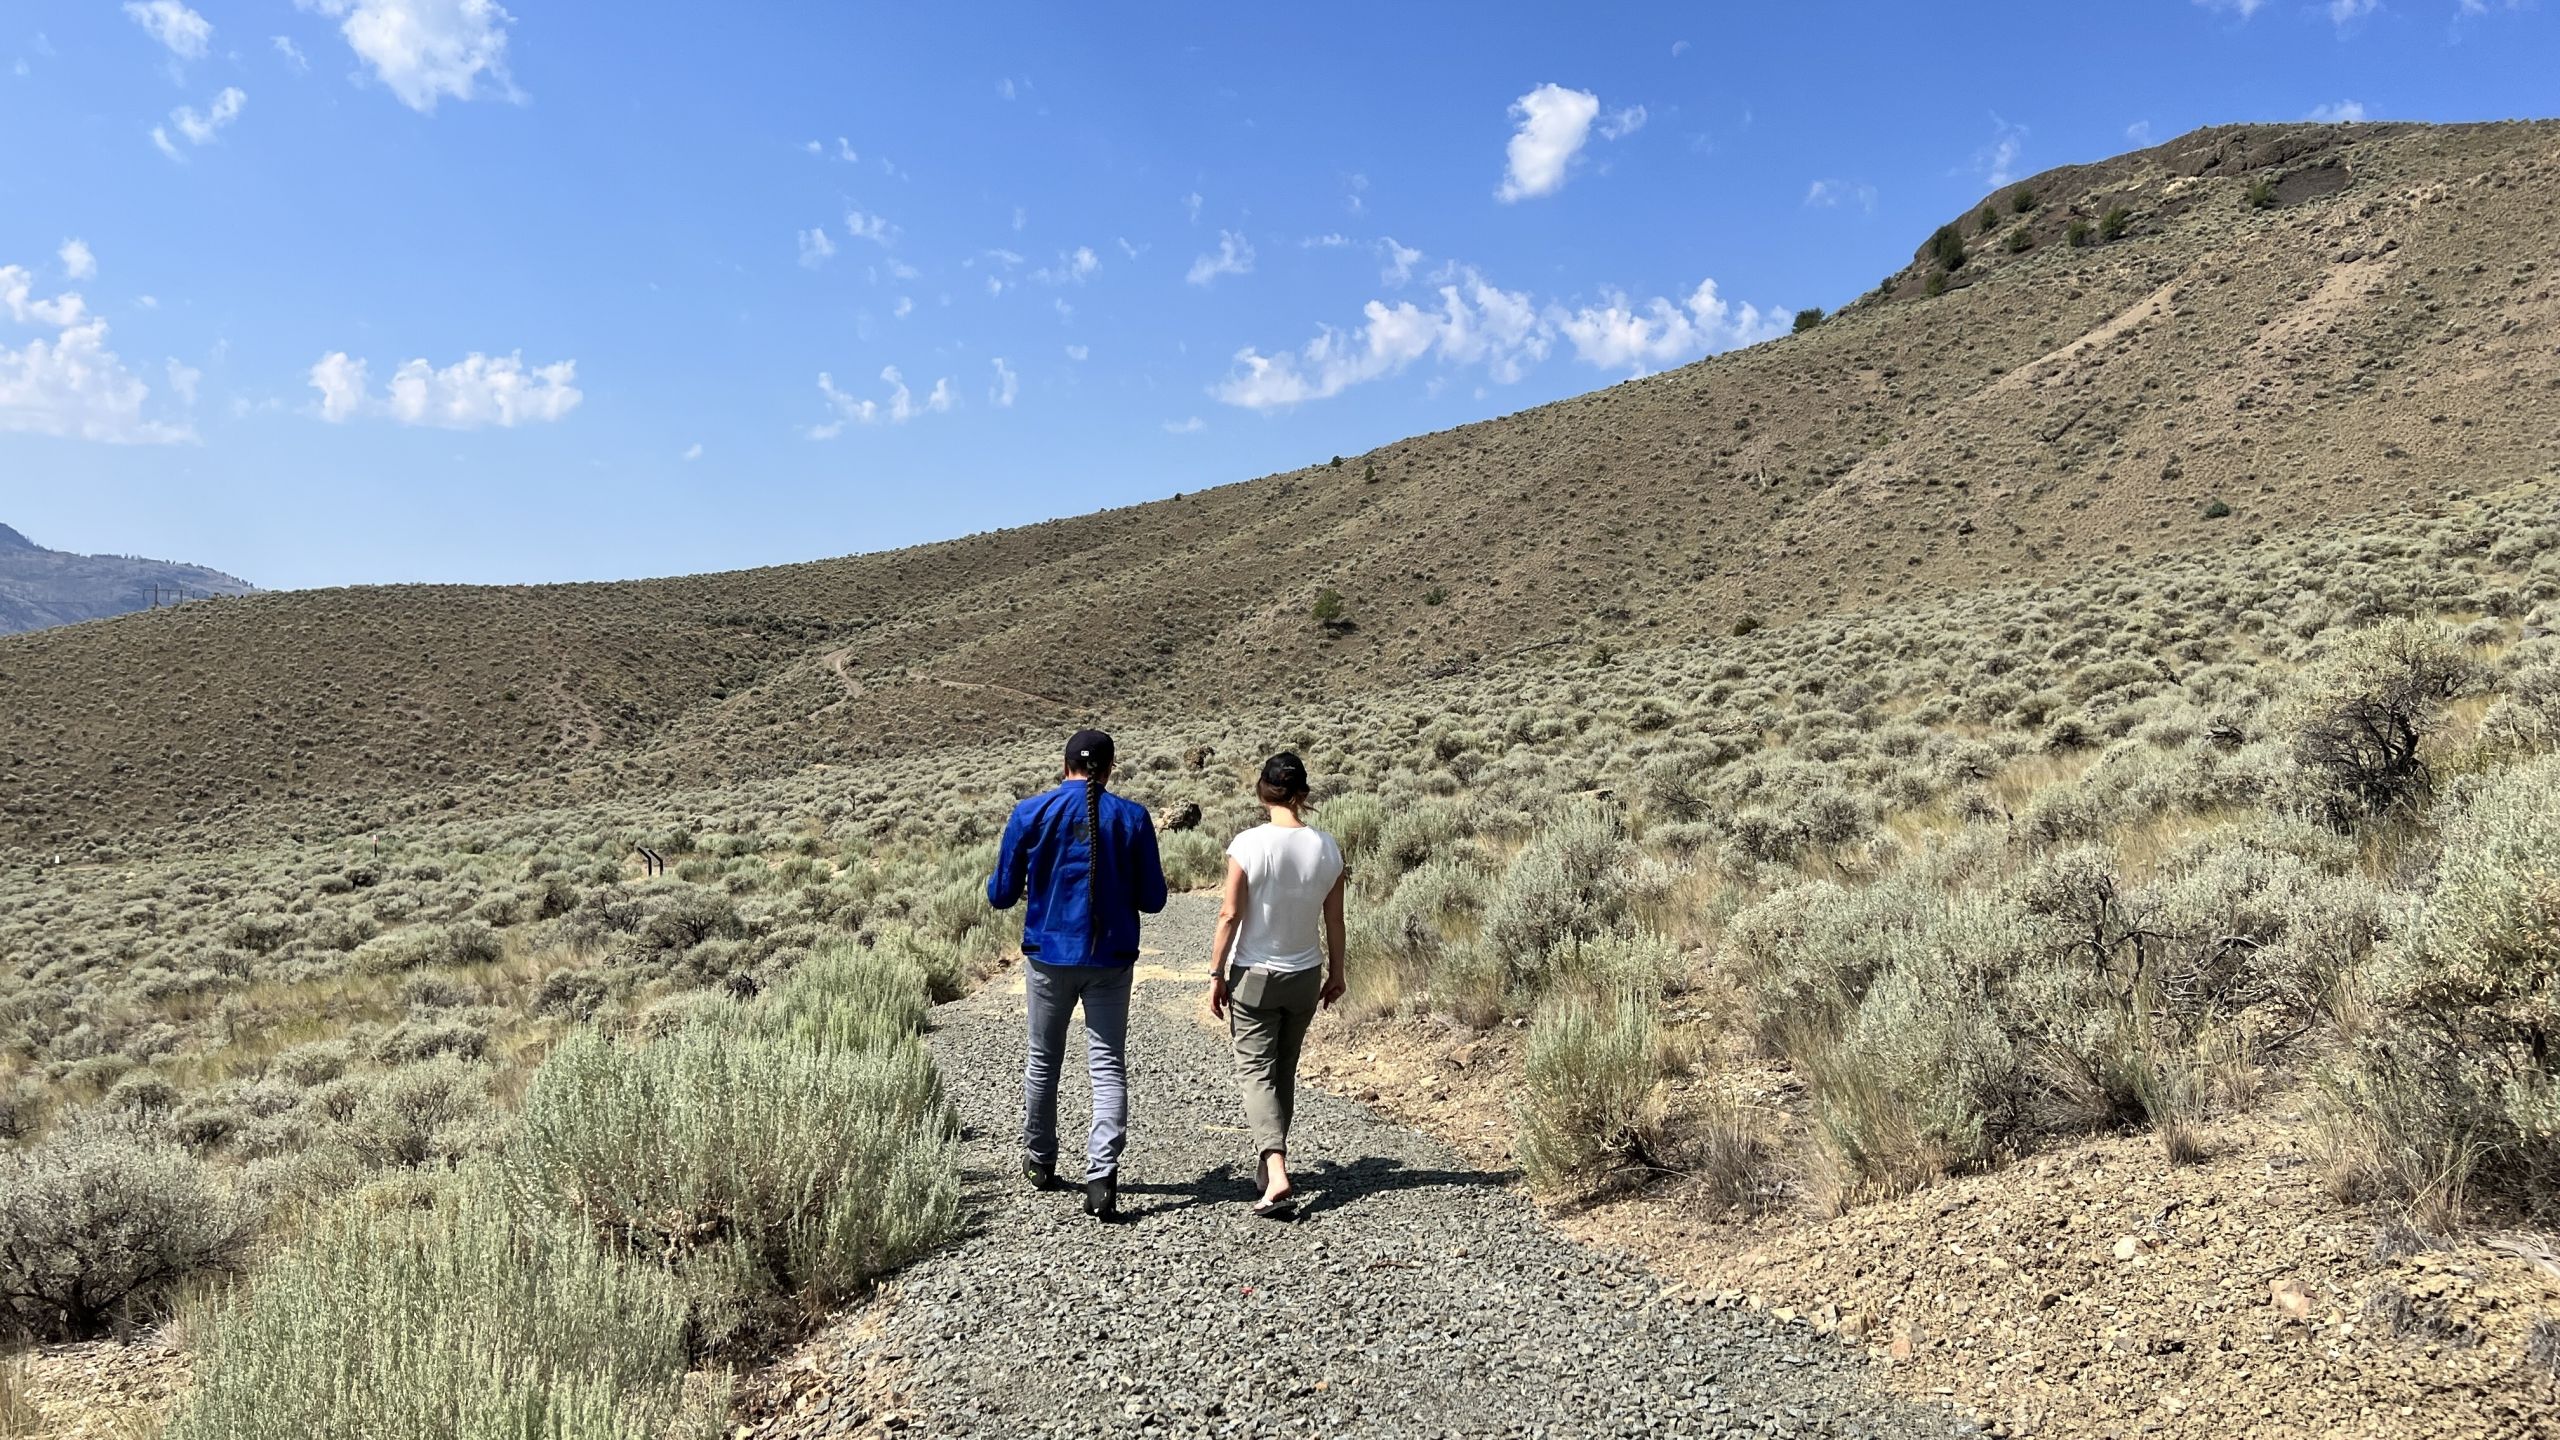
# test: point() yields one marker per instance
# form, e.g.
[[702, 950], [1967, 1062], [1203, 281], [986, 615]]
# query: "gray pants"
[[1050, 993], [1268, 1015]]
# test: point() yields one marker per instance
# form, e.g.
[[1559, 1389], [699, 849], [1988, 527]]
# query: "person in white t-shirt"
[[1276, 961]]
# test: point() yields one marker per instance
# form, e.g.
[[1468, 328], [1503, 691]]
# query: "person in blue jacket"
[[1086, 860]]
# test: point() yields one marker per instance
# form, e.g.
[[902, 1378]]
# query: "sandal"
[[1282, 1206]]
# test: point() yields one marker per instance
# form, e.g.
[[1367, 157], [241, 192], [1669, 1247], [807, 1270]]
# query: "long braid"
[[1093, 862]]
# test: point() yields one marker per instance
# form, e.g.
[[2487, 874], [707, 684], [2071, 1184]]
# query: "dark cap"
[[1286, 772], [1089, 751]]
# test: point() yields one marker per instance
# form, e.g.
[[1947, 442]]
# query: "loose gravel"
[[1415, 1296]]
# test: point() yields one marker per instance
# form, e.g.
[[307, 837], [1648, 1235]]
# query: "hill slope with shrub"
[[2245, 333]]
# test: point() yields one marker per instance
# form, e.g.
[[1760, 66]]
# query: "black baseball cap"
[[1286, 771], [1089, 751]]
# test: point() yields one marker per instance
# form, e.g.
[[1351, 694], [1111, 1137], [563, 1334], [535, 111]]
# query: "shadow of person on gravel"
[[1225, 1183], [1327, 1186]]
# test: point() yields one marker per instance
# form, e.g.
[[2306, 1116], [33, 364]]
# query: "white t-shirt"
[[1288, 870]]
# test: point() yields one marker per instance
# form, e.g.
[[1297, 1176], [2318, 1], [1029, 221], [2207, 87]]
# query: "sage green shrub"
[[1586, 1096], [471, 1316], [101, 1221], [762, 1170], [843, 999], [2451, 1100], [1574, 882]]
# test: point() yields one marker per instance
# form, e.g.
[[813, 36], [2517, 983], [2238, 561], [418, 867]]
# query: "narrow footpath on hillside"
[[1415, 1296]]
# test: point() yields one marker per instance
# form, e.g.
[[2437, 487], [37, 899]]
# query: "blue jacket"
[[1045, 856]]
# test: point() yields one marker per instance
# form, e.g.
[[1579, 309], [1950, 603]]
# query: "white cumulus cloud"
[[69, 384], [901, 406], [2344, 112], [185, 32], [2344, 13], [199, 128], [815, 248], [1007, 386], [1554, 125], [1478, 324], [425, 51], [473, 392], [291, 52], [1234, 257], [1618, 336], [2242, 8], [1192, 425], [77, 262], [869, 227]]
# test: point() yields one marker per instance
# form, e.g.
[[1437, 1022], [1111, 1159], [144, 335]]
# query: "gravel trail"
[[1414, 1296]]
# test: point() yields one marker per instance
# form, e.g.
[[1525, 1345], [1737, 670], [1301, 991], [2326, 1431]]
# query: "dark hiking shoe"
[[1039, 1176], [1102, 1198]]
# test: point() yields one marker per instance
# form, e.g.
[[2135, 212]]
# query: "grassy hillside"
[[2282, 327]]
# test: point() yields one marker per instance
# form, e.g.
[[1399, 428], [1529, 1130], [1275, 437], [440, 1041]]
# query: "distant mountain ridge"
[[41, 588]]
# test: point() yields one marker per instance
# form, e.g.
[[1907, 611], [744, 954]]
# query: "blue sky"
[[340, 291]]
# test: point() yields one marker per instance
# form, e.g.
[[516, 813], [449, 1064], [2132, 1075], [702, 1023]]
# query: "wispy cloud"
[[901, 406], [815, 248], [1998, 161], [1400, 261], [2342, 112], [1234, 257], [199, 128], [1832, 194], [1008, 385], [185, 33], [1193, 425]]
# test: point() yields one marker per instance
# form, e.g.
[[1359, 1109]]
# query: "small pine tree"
[[1809, 317], [2024, 201], [2077, 232], [1328, 606], [2113, 224], [1947, 248], [1989, 220], [2019, 241], [2262, 194], [2216, 510], [1936, 284]]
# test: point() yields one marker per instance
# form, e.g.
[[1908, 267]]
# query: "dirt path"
[[1416, 1296]]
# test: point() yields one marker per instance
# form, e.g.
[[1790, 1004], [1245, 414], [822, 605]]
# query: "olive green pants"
[[1268, 1015]]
